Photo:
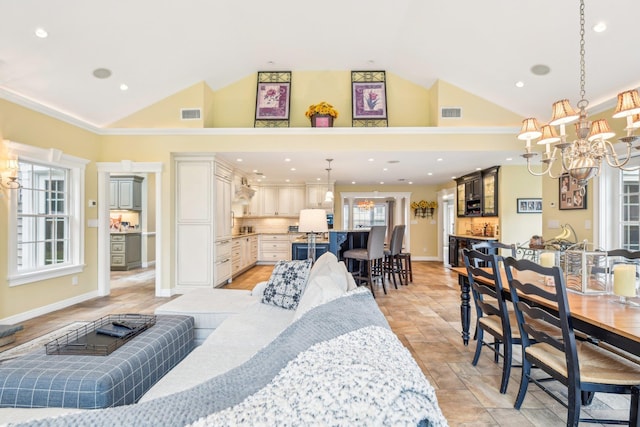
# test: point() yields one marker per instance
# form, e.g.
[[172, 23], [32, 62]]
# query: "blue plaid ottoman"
[[39, 380]]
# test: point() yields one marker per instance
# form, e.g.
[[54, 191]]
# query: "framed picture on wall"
[[369, 100], [531, 205], [273, 95], [571, 195]]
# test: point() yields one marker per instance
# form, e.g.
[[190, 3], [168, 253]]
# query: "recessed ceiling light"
[[286, 180], [509, 159], [287, 160], [600, 27], [478, 169], [293, 169], [41, 33], [430, 173], [439, 159], [124, 87], [371, 160], [353, 182], [520, 84], [540, 69], [410, 182], [255, 171], [381, 182], [317, 179], [238, 159], [102, 73], [453, 177], [385, 169]]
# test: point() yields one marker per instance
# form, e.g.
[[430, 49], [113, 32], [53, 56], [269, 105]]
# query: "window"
[[630, 210], [46, 236], [367, 216]]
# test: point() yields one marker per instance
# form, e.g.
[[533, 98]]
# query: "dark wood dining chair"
[[492, 314], [582, 366], [492, 247], [370, 259]]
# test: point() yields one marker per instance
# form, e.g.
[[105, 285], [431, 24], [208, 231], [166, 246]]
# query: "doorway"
[[447, 221], [154, 173]]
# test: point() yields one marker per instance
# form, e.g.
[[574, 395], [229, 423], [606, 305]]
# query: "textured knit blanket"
[[339, 364]]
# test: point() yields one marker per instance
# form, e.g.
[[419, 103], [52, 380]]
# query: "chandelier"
[[582, 158], [366, 204]]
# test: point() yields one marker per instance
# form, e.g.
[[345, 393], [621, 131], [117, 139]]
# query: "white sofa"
[[235, 326]]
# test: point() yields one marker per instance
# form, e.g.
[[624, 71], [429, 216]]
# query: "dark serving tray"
[[101, 337]]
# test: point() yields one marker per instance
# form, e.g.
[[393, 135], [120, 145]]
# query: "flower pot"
[[321, 121]]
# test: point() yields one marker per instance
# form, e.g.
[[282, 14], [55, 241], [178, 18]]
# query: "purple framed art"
[[272, 100], [369, 100]]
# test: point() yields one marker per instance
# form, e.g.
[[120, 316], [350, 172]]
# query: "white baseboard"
[[166, 293], [48, 308]]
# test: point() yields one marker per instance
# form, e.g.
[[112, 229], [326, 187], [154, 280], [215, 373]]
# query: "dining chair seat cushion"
[[358, 253], [494, 324], [597, 365], [287, 283]]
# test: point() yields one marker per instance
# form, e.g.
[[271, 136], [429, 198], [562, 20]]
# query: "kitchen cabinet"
[[316, 194], [203, 222], [300, 250], [126, 251], [274, 248], [244, 254], [458, 243], [125, 192], [224, 214], [490, 191], [477, 193], [282, 200]]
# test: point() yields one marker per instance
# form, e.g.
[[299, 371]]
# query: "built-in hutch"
[[477, 193]]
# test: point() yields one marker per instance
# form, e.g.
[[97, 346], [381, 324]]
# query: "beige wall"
[[231, 107], [28, 127]]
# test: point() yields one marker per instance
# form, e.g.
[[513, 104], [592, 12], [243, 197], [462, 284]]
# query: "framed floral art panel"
[[273, 96], [369, 98]]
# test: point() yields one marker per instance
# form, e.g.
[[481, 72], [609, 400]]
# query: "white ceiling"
[[159, 48]]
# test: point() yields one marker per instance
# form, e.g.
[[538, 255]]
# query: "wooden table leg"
[[465, 307]]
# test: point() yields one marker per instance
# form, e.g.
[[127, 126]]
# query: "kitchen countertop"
[[471, 236]]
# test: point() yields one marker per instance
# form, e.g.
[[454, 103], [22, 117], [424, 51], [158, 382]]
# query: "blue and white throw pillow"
[[287, 283]]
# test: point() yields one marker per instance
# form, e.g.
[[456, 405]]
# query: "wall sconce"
[[10, 178]]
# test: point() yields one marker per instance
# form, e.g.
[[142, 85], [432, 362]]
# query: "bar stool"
[[392, 264], [373, 255], [405, 266]]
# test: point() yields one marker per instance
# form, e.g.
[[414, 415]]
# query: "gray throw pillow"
[[287, 283]]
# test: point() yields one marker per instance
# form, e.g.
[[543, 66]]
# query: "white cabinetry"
[[316, 194], [203, 222], [244, 253], [253, 208], [281, 200], [274, 247]]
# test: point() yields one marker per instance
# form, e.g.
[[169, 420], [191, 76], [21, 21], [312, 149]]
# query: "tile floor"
[[426, 317]]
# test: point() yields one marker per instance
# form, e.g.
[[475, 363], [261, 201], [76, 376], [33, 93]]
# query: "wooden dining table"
[[601, 317]]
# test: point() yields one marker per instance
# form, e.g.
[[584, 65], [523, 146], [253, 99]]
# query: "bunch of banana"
[[564, 234]]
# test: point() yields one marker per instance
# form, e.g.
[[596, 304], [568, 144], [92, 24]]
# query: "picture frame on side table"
[[529, 205], [571, 196], [273, 96]]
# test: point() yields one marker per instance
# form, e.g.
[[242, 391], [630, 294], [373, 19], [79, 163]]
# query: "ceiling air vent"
[[190, 114], [451, 112]]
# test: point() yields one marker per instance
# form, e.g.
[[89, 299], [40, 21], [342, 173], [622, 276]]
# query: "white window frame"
[[76, 167]]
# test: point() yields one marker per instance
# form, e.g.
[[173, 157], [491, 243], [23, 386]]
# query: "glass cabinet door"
[[490, 193]]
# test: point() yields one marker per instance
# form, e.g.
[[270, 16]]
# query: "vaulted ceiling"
[[158, 48]]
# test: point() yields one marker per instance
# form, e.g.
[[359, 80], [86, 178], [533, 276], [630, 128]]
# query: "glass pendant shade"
[[549, 135], [530, 129], [600, 130], [628, 104], [563, 113]]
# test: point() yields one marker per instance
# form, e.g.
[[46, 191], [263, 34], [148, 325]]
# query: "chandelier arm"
[[612, 157], [544, 172]]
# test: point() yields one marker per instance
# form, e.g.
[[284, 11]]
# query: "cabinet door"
[[125, 194], [461, 200], [269, 201], [490, 193], [253, 208], [223, 209], [297, 200], [113, 194], [285, 201]]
